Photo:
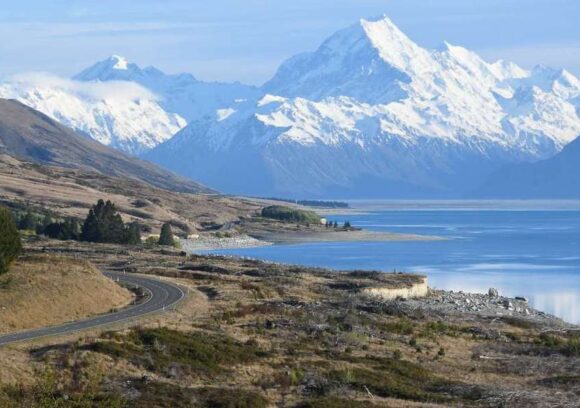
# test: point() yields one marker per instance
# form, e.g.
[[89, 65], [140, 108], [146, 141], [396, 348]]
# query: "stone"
[[493, 292]]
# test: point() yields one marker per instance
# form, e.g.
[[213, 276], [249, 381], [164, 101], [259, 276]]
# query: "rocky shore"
[[491, 304], [210, 242]]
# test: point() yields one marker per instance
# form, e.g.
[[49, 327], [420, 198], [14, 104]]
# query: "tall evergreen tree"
[[133, 234], [166, 236], [10, 245]]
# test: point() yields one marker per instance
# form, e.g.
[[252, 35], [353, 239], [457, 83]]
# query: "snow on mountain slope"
[[371, 113], [182, 94], [121, 105], [123, 115]]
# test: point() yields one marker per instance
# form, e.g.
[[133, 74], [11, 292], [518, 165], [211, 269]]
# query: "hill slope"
[[46, 290], [71, 192], [371, 113], [557, 177], [33, 136]]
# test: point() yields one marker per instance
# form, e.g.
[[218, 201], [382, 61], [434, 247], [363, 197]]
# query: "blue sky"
[[247, 39]]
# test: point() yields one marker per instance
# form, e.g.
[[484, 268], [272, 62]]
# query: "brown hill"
[[32, 136], [71, 192], [46, 290]]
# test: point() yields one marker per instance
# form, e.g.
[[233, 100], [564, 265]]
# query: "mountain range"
[[556, 177], [121, 105], [370, 113]]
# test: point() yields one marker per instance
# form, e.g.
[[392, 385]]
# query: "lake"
[[528, 248]]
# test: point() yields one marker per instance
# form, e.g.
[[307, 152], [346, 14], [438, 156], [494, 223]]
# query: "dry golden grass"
[[43, 290]]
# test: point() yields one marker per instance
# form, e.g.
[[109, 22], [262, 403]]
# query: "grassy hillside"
[[44, 290]]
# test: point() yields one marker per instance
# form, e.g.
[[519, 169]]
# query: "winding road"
[[162, 295]]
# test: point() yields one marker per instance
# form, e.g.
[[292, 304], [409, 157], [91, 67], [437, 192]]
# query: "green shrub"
[[157, 349], [10, 245], [335, 402], [395, 379], [162, 394], [282, 213]]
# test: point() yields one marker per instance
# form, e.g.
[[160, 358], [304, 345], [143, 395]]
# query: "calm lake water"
[[529, 249]]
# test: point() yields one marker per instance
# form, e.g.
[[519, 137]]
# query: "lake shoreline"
[[269, 238]]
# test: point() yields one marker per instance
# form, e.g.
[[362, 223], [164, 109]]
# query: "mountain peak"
[[114, 67], [118, 62], [394, 46]]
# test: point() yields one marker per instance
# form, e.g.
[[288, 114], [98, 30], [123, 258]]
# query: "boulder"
[[493, 293]]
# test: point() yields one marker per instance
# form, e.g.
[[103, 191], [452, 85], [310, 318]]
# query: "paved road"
[[162, 295]]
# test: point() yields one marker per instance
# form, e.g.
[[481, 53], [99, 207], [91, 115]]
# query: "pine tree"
[[10, 245], [133, 234], [166, 236]]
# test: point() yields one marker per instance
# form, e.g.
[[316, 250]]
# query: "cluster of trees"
[[104, 224], [312, 203], [44, 224], [10, 245], [282, 213], [334, 224]]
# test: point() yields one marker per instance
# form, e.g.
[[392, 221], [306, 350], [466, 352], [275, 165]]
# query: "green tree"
[[133, 234], [10, 245], [166, 236], [103, 224]]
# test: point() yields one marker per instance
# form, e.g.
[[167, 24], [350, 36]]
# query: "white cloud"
[[115, 90]]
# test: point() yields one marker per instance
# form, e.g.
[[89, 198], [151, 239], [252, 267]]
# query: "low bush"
[[158, 349]]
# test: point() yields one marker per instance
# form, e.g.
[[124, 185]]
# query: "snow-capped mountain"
[[119, 114], [121, 105], [182, 94], [373, 114]]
